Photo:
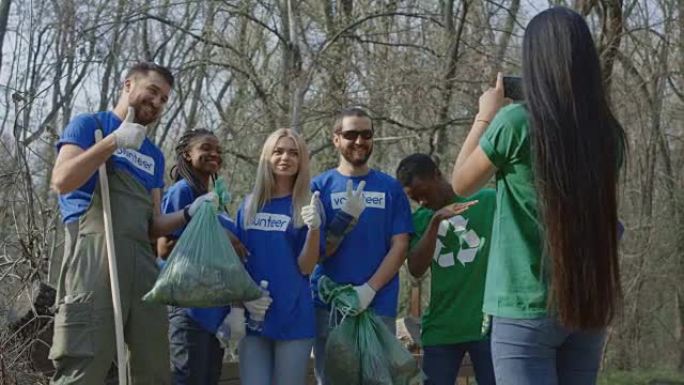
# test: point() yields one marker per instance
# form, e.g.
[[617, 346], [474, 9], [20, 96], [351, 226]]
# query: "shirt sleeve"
[[419, 229], [503, 138], [401, 212], [174, 200], [159, 171], [80, 131], [314, 185]]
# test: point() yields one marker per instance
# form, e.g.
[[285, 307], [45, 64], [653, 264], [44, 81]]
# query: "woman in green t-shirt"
[[553, 281]]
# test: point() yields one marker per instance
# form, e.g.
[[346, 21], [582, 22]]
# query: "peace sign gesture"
[[355, 201]]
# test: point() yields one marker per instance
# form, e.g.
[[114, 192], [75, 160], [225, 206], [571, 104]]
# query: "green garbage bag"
[[222, 192], [203, 269], [404, 368], [361, 350], [355, 354], [343, 366], [342, 298]]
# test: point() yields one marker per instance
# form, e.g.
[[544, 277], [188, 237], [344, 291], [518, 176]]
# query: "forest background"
[[246, 67]]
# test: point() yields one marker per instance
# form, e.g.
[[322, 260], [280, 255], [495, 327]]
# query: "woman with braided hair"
[[196, 352]]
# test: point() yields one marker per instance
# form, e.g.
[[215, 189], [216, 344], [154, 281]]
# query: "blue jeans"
[[322, 330], [441, 363], [196, 354], [542, 352], [263, 359]]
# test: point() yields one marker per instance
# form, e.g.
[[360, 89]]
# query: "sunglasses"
[[354, 134]]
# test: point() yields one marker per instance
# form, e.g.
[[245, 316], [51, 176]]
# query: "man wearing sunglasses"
[[368, 228]]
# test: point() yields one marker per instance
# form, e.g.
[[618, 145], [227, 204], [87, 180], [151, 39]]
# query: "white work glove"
[[210, 197], [258, 307], [355, 202], [365, 293], [232, 327], [129, 134], [311, 213]]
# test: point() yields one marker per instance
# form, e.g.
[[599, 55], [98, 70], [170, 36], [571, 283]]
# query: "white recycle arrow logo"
[[466, 240]]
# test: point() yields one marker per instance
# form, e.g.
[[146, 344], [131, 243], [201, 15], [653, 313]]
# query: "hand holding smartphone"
[[513, 88]]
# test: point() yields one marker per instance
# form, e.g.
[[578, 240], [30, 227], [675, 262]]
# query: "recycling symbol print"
[[454, 234]]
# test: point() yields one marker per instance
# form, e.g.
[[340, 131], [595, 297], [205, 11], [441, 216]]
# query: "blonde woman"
[[279, 223]]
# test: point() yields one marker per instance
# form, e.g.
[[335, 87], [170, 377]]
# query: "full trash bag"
[[361, 350], [203, 269]]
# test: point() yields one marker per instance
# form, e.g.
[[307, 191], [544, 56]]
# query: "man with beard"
[[84, 341], [367, 229]]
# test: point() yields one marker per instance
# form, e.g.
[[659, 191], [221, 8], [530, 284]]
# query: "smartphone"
[[513, 88]]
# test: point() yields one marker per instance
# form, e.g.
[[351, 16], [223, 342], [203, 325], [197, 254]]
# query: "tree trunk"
[[4, 16], [453, 34], [505, 39], [112, 57], [294, 69], [680, 270], [610, 38], [200, 73]]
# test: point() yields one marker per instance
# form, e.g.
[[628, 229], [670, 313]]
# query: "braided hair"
[[183, 167]]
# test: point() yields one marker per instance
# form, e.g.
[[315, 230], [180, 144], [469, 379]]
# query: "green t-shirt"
[[458, 269], [516, 286]]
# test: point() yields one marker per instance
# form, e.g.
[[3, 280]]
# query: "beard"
[[145, 113], [351, 155]]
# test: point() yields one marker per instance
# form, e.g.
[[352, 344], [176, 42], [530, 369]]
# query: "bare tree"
[[246, 67], [5, 6]]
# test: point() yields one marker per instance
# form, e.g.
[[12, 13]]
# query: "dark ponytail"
[[577, 147]]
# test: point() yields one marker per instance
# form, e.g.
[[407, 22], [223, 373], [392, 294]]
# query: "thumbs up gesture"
[[311, 213], [129, 134]]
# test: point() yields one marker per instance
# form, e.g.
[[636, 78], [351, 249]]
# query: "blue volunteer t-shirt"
[[179, 195], [362, 250], [146, 165], [274, 245]]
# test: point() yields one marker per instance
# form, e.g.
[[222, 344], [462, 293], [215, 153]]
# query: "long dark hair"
[[577, 149], [183, 168]]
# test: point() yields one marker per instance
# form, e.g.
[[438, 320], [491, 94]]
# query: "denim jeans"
[[322, 330], [196, 354], [542, 352], [263, 359], [441, 363]]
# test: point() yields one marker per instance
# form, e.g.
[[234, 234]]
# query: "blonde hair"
[[265, 182]]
